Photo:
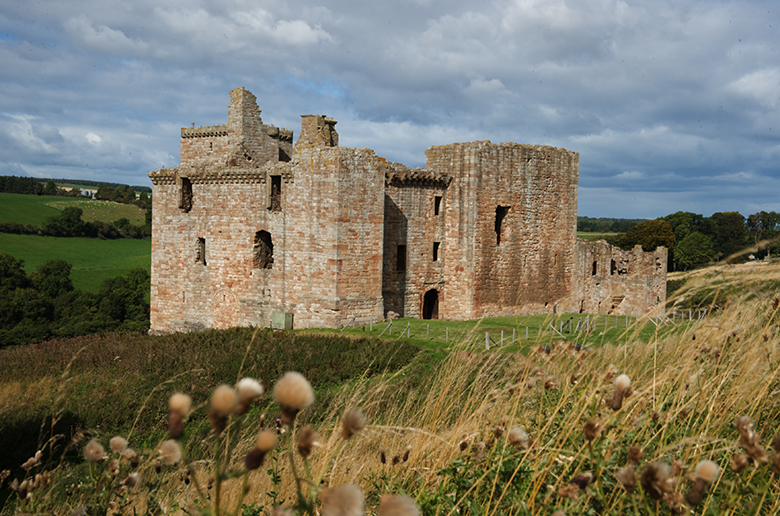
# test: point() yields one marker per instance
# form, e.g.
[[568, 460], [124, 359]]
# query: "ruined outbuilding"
[[250, 224]]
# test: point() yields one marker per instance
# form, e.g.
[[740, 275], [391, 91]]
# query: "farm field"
[[93, 260], [594, 236], [35, 209]]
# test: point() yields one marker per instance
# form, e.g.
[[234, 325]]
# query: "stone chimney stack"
[[318, 130]]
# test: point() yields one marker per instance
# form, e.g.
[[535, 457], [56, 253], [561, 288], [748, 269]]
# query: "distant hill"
[[94, 184]]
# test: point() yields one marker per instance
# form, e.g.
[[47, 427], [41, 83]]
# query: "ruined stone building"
[[251, 224]]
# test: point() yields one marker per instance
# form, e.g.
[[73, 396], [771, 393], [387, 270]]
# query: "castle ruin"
[[250, 224]]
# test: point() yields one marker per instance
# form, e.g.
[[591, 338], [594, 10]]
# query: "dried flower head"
[[738, 462], [265, 442], [223, 403], [113, 467], [344, 500], [382, 456], [407, 450], [656, 481], [170, 453], [132, 480], [307, 441], [622, 384], [353, 422], [635, 454], [180, 403], [117, 444], [592, 430], [293, 393], [570, 491], [750, 440], [706, 473], [130, 456], [248, 391], [179, 406], [391, 505], [518, 437], [94, 452], [627, 478]]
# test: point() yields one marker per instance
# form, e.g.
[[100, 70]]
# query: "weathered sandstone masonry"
[[249, 224]]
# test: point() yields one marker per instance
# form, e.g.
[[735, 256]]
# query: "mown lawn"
[[93, 260], [35, 209]]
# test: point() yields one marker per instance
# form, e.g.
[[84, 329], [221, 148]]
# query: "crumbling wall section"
[[608, 280], [414, 251], [510, 227]]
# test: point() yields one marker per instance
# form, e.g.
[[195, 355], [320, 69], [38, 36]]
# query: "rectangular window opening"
[[501, 212], [436, 251], [200, 251], [276, 194], [594, 268], [437, 205], [400, 258], [185, 197]]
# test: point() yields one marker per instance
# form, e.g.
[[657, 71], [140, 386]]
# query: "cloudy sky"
[[672, 105]]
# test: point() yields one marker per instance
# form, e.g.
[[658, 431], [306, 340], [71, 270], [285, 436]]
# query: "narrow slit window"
[[501, 212], [593, 270], [400, 259], [612, 267], [437, 205], [436, 251], [200, 251], [185, 197], [276, 193], [263, 250]]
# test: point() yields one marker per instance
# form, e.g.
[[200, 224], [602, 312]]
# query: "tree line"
[[694, 240], [70, 224], [605, 225], [114, 192], [42, 304]]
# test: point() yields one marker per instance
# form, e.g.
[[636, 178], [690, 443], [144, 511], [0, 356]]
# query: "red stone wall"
[[608, 280], [530, 270]]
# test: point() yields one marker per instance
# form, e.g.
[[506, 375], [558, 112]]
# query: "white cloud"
[[93, 138], [101, 38], [763, 86]]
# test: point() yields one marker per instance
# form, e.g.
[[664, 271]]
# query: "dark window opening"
[[211, 145], [400, 259], [431, 304], [200, 251], [283, 156], [612, 267], [185, 199], [276, 193], [263, 250], [501, 212], [593, 271], [436, 251], [436, 204]]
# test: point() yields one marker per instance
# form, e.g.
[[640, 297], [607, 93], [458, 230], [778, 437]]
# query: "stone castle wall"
[[510, 227], [250, 224], [608, 280]]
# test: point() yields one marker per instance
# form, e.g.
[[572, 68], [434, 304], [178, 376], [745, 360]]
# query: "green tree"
[[650, 234], [52, 278], [693, 250], [50, 188], [731, 233]]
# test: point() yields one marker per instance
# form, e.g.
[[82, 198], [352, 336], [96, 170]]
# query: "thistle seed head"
[[307, 441], [293, 393], [94, 452], [170, 453], [248, 390], [627, 478], [707, 471], [622, 382], [344, 500], [353, 422], [391, 505], [518, 437], [266, 441], [656, 481], [180, 403], [117, 444]]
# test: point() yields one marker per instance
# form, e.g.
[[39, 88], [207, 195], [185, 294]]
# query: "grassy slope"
[[93, 260], [594, 236], [35, 209]]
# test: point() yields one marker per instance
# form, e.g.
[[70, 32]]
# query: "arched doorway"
[[431, 304]]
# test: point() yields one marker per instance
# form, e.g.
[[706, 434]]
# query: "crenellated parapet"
[[206, 131], [398, 174]]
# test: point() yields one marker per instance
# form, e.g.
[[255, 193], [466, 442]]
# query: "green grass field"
[[93, 260], [594, 236], [515, 333], [35, 209]]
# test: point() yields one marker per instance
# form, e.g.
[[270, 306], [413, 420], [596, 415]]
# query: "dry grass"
[[688, 388]]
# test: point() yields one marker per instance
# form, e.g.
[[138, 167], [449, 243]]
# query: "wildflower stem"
[[244, 484]]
